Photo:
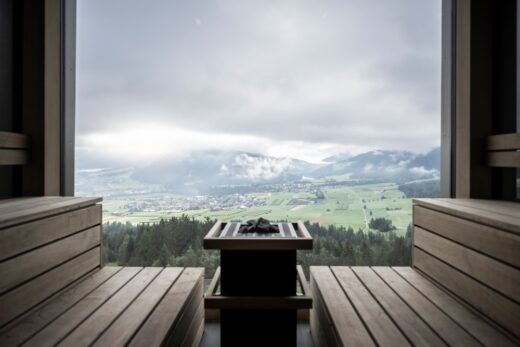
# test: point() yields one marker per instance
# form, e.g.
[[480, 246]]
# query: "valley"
[[352, 206], [348, 193]]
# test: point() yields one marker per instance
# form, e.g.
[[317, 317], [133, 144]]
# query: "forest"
[[423, 189], [178, 242], [381, 224]]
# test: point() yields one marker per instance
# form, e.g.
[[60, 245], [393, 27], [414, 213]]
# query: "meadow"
[[341, 206]]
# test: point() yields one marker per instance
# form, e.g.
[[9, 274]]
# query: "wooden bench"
[[53, 290], [463, 289]]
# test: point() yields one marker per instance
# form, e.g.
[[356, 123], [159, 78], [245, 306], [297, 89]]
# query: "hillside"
[[395, 166], [205, 169], [201, 171]]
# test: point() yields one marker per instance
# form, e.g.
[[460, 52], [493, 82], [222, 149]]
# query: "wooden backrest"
[[14, 149], [46, 243], [472, 249], [503, 150]]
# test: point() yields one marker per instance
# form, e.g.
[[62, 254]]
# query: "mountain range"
[[206, 169], [201, 170], [391, 165]]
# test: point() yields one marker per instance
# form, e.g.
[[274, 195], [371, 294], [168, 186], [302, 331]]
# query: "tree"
[[125, 250], [164, 256], [381, 224], [348, 254], [366, 255], [178, 242], [398, 255], [409, 231], [424, 189]]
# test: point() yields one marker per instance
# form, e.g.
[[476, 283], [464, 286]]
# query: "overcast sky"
[[300, 78]]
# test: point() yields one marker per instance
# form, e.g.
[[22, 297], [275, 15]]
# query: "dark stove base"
[[269, 328], [257, 273]]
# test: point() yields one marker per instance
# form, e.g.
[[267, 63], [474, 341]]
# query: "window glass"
[[322, 111]]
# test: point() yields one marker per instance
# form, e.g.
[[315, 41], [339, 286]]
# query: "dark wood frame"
[[43, 98], [216, 301], [447, 98], [68, 96], [479, 98]]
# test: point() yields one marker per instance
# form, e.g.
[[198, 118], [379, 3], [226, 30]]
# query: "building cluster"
[[198, 202]]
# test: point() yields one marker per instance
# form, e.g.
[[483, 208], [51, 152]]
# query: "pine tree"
[[122, 257], [349, 255], [367, 255], [164, 256]]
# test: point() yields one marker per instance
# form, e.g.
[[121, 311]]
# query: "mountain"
[[337, 158], [202, 171], [429, 161], [398, 166], [205, 169]]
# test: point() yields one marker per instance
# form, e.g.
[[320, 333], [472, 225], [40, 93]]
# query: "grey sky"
[[304, 78]]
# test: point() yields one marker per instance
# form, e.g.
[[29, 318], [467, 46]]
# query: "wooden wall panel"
[[489, 302], [46, 243], [471, 247], [28, 265], [503, 278], [485, 239], [24, 297]]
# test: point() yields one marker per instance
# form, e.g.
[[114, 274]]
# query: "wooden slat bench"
[[463, 289], [53, 290]]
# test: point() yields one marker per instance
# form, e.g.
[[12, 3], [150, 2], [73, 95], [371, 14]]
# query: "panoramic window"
[[190, 112]]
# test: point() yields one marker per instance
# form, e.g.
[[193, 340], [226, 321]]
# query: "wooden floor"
[[129, 306], [386, 306]]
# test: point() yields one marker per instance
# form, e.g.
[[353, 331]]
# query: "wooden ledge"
[[504, 215], [22, 210]]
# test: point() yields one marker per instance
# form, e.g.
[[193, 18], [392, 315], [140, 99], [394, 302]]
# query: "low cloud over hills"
[[203, 170], [398, 166]]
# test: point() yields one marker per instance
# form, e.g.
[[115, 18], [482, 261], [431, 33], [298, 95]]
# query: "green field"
[[346, 206]]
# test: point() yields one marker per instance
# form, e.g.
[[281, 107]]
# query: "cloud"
[[333, 74], [146, 143], [423, 171], [261, 168]]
